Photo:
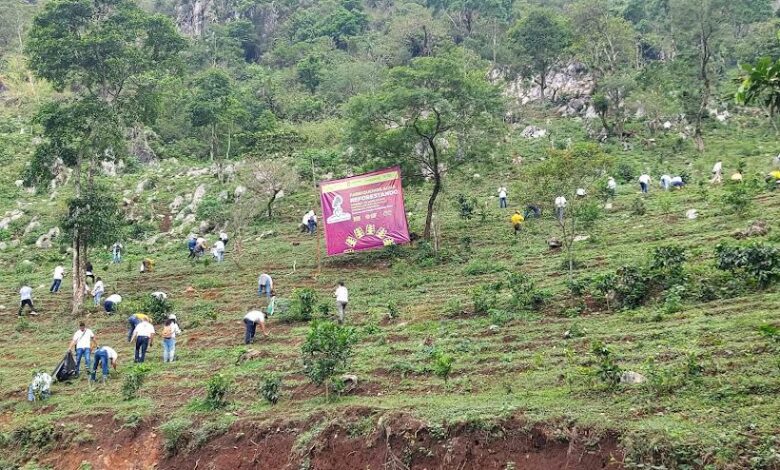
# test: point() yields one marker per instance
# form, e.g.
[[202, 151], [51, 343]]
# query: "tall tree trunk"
[[77, 275], [435, 192], [542, 84], [270, 205]]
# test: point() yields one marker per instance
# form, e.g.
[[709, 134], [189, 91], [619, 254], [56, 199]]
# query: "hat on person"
[[172, 317]]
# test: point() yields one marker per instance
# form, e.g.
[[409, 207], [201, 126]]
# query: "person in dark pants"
[[25, 293], [532, 211], [133, 321], [90, 273], [142, 336], [59, 273], [103, 356], [191, 244], [251, 319]]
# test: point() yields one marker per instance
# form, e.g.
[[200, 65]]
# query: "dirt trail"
[[390, 442]]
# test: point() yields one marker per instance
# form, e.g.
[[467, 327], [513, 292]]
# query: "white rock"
[[632, 378], [19, 183], [240, 190], [533, 132], [223, 196], [108, 167], [667, 125], [493, 328], [33, 225], [174, 206], [200, 192], [139, 188], [581, 238], [198, 172], [3, 246], [692, 214]]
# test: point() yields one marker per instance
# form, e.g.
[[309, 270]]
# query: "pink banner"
[[364, 212]]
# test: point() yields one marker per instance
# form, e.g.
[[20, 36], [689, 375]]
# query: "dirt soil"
[[363, 439]]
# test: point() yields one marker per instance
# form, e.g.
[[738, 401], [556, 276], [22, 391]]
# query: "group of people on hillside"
[[198, 246]]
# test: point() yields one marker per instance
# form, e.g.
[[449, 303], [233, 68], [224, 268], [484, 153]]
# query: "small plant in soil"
[[217, 389], [606, 368], [158, 309], [271, 388], [134, 380], [442, 365], [326, 352]]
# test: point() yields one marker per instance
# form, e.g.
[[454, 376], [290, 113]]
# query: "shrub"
[[485, 298], [176, 434], [217, 389], [271, 388], [758, 261], [632, 287], [465, 206], [326, 351], [442, 365], [673, 300], [302, 307], [587, 214], [158, 309], [667, 264], [36, 433], [393, 312], [479, 267], [134, 380], [638, 207], [453, 307], [213, 210], [738, 199], [606, 368], [524, 293]]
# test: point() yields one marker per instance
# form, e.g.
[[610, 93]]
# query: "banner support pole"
[[317, 196]]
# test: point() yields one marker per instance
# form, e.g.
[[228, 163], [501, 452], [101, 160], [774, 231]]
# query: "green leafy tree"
[[110, 56], [326, 351], [542, 40], [562, 174], [430, 117], [216, 108], [760, 84]]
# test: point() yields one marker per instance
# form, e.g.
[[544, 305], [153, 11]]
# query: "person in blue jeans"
[[142, 336], [59, 273], [98, 290], [116, 252], [103, 357], [82, 341], [133, 321], [265, 284]]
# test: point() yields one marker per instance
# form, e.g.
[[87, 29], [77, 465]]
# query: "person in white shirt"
[[142, 335], [677, 182], [169, 333], [59, 273], [104, 356], [611, 187], [223, 237], [644, 183], [560, 206], [251, 320], [98, 290], [40, 388], [82, 341], [666, 182], [219, 251], [265, 284], [25, 293], [717, 173], [160, 295], [342, 299], [502, 197], [112, 302], [310, 222]]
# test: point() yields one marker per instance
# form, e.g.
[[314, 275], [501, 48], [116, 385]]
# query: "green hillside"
[[473, 347]]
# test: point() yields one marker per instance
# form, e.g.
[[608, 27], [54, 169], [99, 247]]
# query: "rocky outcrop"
[[571, 84], [46, 240]]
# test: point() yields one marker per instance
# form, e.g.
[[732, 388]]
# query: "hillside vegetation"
[[473, 347]]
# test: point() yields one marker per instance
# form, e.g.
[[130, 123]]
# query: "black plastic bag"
[[66, 369]]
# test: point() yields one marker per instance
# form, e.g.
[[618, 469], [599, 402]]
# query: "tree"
[[110, 55], [561, 174], [760, 84], [270, 178], [326, 351], [699, 27], [430, 117], [607, 44], [215, 107], [542, 40]]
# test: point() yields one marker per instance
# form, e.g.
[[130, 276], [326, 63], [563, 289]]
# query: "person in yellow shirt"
[[517, 221]]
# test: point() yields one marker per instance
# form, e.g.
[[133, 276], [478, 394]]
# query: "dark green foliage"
[[667, 264], [134, 379], [36, 434], [632, 286], [525, 295], [217, 389], [638, 206], [738, 198], [215, 211], [158, 309], [176, 433], [271, 388], [757, 261], [326, 351], [465, 206], [606, 369]]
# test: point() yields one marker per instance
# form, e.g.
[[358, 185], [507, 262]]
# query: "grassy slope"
[[526, 366]]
